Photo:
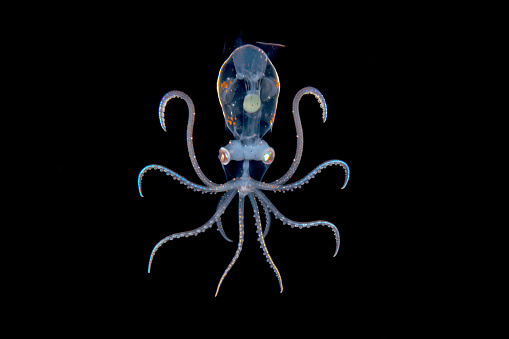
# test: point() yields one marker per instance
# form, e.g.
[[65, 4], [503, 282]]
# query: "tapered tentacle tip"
[[344, 183], [139, 187], [140, 178], [161, 120], [150, 262], [347, 178], [337, 250]]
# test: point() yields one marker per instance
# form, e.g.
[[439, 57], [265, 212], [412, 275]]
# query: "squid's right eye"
[[268, 156], [224, 156]]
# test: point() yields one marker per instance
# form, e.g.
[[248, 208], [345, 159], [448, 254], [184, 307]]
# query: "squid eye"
[[268, 156], [224, 156]]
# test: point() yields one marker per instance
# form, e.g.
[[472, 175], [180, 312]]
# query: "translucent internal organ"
[[248, 90], [251, 103]]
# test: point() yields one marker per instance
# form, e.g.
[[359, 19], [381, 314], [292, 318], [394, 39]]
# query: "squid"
[[248, 89]]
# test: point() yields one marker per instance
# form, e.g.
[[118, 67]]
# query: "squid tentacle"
[[219, 223], [190, 185], [189, 136], [298, 127], [292, 223], [239, 246], [220, 210], [305, 180], [267, 218], [262, 240]]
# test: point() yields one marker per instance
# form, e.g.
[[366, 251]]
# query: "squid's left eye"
[[224, 156]]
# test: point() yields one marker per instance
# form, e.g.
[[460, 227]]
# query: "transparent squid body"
[[248, 90]]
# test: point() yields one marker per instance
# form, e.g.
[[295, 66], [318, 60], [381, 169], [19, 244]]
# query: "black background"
[[404, 261]]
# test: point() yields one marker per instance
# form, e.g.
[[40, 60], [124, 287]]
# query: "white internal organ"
[[252, 103], [260, 151]]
